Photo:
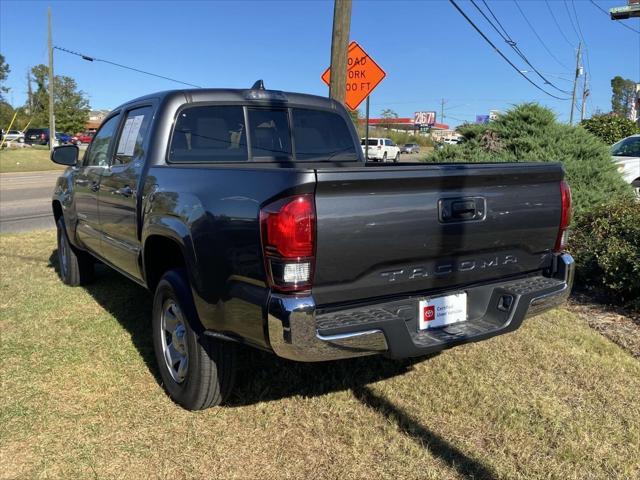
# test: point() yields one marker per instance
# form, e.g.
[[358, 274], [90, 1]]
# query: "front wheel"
[[384, 157], [197, 371], [21, 140], [395, 160]]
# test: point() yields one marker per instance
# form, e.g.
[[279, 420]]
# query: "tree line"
[[71, 105]]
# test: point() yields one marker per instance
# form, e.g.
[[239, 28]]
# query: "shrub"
[[610, 128], [606, 245], [530, 132]]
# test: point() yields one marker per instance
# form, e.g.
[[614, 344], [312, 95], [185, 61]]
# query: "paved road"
[[25, 200]]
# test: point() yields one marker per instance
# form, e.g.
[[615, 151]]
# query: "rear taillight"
[[42, 136], [288, 229], [565, 217]]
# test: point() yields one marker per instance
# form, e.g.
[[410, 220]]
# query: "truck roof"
[[246, 95]]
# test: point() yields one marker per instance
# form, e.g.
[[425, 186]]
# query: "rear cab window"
[[237, 133]]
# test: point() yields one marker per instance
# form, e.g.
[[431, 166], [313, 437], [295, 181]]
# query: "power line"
[[513, 44], [570, 19], [558, 25], [538, 36], [586, 49], [607, 14], [486, 39], [95, 59]]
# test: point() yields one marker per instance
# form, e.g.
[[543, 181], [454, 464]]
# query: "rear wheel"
[[384, 157], [395, 160], [197, 371], [76, 266]]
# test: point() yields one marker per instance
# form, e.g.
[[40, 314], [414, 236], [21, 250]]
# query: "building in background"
[[95, 119]]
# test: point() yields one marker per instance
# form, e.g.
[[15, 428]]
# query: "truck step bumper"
[[300, 331]]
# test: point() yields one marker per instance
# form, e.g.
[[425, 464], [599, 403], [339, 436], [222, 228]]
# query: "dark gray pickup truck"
[[254, 218]]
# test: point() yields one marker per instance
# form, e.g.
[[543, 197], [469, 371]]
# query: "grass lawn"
[[27, 159], [80, 399]]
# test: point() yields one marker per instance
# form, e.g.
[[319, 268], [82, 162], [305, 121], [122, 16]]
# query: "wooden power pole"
[[575, 83], [585, 94], [52, 117], [339, 47]]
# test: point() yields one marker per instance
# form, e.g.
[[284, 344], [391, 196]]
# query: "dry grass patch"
[[81, 399]]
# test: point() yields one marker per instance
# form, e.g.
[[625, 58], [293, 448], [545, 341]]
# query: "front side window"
[[133, 135], [320, 135], [270, 135], [97, 154], [209, 134]]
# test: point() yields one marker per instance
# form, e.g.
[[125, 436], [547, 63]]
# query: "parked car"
[[37, 136], [13, 136], [63, 137], [381, 149], [82, 138], [322, 258], [410, 148], [626, 155], [451, 141]]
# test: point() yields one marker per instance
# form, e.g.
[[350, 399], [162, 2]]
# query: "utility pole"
[[29, 92], [339, 46], [442, 102], [52, 117], [585, 94], [575, 83]]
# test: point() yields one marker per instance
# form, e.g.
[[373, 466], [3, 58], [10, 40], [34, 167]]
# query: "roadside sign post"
[[366, 132], [363, 76]]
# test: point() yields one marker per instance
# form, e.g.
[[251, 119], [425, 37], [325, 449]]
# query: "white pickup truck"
[[381, 149]]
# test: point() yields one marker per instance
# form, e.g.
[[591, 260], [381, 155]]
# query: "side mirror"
[[65, 155]]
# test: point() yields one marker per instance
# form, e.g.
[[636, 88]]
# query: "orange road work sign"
[[363, 75]]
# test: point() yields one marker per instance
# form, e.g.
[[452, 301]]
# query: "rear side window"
[[319, 134], [270, 135], [209, 134], [372, 143]]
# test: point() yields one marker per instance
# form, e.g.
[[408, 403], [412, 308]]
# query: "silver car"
[[14, 135], [410, 148]]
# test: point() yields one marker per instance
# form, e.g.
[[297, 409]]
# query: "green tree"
[[387, 115], [4, 73], [71, 105], [610, 128], [623, 94]]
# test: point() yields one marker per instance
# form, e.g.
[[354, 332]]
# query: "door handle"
[[95, 186], [125, 191]]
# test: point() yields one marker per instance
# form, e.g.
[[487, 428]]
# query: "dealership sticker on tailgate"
[[442, 311]]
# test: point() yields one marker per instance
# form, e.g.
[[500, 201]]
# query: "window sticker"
[[129, 135]]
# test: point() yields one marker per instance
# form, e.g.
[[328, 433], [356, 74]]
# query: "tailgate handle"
[[461, 209]]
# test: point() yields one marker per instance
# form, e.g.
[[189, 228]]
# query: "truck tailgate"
[[384, 231]]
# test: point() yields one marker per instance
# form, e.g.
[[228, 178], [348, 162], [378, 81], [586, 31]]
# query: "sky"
[[427, 49]]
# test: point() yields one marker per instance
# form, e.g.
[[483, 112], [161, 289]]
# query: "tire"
[[21, 140], [384, 157], [76, 266], [78, 142], [197, 372], [395, 160]]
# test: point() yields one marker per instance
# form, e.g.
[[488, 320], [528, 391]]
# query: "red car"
[[81, 138]]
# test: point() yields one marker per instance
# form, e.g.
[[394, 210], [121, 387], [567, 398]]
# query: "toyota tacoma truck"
[[253, 218]]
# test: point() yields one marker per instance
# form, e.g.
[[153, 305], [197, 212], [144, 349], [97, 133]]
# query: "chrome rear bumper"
[[298, 331]]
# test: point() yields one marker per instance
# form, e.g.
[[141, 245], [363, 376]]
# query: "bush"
[[610, 128], [530, 132], [606, 246]]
